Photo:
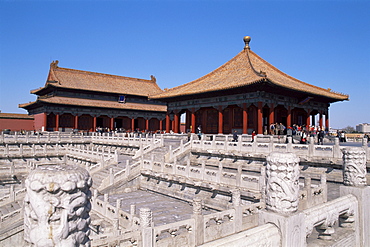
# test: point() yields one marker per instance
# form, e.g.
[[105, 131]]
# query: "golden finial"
[[247, 39]]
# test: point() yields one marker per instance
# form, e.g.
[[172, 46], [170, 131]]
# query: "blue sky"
[[324, 43]]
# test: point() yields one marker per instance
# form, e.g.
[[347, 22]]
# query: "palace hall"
[[246, 94], [83, 100]]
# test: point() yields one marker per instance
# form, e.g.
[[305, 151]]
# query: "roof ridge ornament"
[[54, 64], [247, 39]]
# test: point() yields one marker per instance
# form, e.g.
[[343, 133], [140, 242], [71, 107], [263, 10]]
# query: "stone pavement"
[[165, 209]]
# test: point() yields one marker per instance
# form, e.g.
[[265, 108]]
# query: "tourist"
[[320, 137], [289, 134], [235, 136], [199, 132], [303, 137], [272, 129], [253, 135]]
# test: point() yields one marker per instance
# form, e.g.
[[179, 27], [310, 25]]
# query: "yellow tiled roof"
[[244, 69], [98, 103], [15, 115], [92, 81]]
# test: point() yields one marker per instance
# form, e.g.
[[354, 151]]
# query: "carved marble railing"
[[197, 230], [46, 137], [125, 140], [129, 172], [181, 150], [148, 146], [324, 216], [265, 235], [12, 196], [11, 217], [313, 194], [91, 153], [267, 145], [129, 220], [31, 150], [207, 175]]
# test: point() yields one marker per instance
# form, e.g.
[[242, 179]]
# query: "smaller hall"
[[75, 99], [246, 94]]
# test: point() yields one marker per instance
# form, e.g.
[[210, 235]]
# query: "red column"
[[308, 118], [94, 124], [313, 120], [57, 122], [168, 120], [193, 127], [147, 124], [45, 121], [111, 123], [320, 119], [259, 118], [220, 120], [132, 124], [245, 119], [327, 121], [177, 123], [289, 117], [160, 125], [75, 126], [272, 114]]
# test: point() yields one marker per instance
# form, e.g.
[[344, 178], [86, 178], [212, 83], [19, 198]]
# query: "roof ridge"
[[293, 78], [102, 74], [200, 78]]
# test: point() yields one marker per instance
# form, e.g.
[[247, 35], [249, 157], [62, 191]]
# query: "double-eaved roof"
[[245, 69], [71, 79], [98, 82]]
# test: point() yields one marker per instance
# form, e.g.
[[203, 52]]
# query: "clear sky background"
[[324, 43]]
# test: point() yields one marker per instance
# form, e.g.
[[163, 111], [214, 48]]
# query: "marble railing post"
[[311, 146], [187, 169], [128, 169], [2, 137], [105, 203], [57, 206], [12, 168], [170, 152], [289, 147], [336, 148], [118, 207], [366, 148], [6, 150], [307, 186], [219, 173], [111, 176], [324, 186], [146, 223], [282, 198], [199, 221], [132, 210], [21, 149], [12, 193], [282, 185], [236, 199], [239, 175], [354, 179]]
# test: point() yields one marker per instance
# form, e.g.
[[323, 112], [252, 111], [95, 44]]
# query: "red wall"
[[39, 121], [16, 124]]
